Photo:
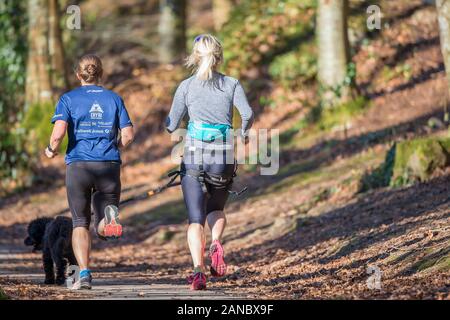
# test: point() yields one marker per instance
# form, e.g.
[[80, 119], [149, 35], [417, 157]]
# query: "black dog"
[[54, 238]]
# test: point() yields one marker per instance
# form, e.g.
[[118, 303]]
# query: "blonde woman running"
[[208, 165]]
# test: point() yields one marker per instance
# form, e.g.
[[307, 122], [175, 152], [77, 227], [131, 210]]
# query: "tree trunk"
[[443, 8], [334, 54], [38, 82], [221, 12], [172, 30], [56, 49]]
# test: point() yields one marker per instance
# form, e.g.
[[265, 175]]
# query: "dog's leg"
[[60, 262], [71, 257], [48, 266]]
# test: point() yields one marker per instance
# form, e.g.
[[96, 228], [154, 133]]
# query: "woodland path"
[[106, 285]]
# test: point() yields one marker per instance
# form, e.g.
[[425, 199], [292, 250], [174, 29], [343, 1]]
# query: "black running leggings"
[[198, 203], [96, 183]]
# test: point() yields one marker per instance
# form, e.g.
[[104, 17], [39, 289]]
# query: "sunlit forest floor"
[[304, 233]]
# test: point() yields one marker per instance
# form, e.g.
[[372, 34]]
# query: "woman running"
[[93, 117], [208, 161]]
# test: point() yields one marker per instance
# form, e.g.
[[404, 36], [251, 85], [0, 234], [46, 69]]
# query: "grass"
[[319, 121], [403, 70], [287, 136], [341, 114], [435, 260], [423, 260], [380, 176]]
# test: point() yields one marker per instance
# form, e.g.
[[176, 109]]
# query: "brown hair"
[[90, 68]]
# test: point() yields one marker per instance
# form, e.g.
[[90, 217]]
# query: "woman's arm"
[[178, 109], [241, 103], [58, 133], [126, 137]]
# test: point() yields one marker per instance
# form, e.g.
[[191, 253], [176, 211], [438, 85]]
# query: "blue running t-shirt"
[[94, 115]]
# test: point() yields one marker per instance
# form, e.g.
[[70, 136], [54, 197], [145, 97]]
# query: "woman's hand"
[[244, 136], [49, 153], [58, 133], [126, 137]]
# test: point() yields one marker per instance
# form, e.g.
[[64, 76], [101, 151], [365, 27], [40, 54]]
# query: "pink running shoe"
[[197, 281], [218, 266]]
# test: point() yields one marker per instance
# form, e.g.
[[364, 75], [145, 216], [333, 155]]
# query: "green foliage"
[[3, 295], [296, 67], [259, 30], [403, 70], [339, 115], [287, 136], [445, 143], [12, 51], [13, 159], [339, 91], [279, 34], [381, 176], [416, 160], [408, 162], [37, 123], [433, 259], [319, 118], [439, 263]]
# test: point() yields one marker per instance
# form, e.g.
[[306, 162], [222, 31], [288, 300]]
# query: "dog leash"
[[174, 175]]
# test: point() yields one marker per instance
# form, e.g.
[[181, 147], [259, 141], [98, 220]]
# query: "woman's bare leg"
[[196, 241], [217, 223]]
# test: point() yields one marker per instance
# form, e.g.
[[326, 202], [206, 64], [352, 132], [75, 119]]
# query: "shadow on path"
[[372, 219]]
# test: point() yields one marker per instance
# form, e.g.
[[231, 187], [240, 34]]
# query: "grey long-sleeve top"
[[209, 102]]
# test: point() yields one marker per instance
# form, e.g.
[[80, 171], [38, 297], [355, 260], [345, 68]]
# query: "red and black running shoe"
[[197, 281], [113, 229], [218, 266]]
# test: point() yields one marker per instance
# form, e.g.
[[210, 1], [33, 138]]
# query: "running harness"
[[205, 178], [217, 181]]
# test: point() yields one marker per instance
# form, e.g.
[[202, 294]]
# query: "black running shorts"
[[95, 184]]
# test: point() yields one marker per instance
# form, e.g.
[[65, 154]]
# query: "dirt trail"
[[304, 233], [277, 245], [18, 266]]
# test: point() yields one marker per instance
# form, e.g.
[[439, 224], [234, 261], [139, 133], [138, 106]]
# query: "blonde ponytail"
[[206, 56]]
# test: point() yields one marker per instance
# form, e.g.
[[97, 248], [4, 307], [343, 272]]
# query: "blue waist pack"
[[208, 132]]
